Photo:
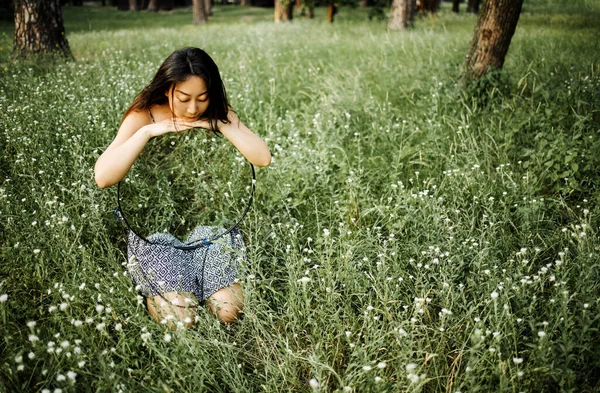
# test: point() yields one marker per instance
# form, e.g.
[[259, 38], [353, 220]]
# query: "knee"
[[169, 310], [227, 303], [228, 314]]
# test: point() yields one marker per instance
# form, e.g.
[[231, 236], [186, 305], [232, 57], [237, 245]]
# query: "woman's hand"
[[173, 125]]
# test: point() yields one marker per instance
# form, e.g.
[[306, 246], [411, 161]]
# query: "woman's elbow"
[[101, 181], [264, 160]]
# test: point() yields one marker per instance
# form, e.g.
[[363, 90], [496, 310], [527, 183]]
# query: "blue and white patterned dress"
[[158, 268]]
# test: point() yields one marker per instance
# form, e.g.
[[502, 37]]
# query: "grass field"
[[408, 236]]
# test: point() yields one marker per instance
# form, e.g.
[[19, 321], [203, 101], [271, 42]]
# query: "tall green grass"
[[406, 237]]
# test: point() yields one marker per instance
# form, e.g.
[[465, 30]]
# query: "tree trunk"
[[473, 6], [331, 11], [402, 14], [39, 28], [495, 27], [283, 12], [364, 3], [208, 8], [199, 12], [455, 6], [152, 5], [245, 2], [429, 6], [132, 5]]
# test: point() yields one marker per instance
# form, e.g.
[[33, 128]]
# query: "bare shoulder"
[[161, 112], [131, 124]]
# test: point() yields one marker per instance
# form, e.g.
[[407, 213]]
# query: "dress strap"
[[152, 117]]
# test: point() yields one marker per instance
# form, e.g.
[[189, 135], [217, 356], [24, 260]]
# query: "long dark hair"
[[179, 67]]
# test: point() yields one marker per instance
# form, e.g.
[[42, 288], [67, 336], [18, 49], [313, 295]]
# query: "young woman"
[[186, 92]]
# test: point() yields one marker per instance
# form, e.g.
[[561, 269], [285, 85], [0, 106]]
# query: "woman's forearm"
[[250, 145], [112, 166]]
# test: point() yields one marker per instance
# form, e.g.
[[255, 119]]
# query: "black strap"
[[204, 242]]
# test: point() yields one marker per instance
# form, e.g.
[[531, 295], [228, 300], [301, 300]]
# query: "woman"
[[186, 92]]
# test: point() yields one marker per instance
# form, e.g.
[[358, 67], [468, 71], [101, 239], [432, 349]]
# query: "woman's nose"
[[192, 108]]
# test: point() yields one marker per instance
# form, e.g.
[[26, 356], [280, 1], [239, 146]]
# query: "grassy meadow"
[[408, 236]]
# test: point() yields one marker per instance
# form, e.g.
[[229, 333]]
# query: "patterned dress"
[[158, 267]]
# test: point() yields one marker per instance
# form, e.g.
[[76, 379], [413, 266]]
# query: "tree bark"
[[132, 5], [455, 6], [402, 14], [429, 6], [245, 2], [208, 8], [331, 11], [495, 28], [473, 6], [199, 12], [39, 28], [283, 11], [152, 5]]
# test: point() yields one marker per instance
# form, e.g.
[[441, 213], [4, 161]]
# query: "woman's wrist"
[[146, 132]]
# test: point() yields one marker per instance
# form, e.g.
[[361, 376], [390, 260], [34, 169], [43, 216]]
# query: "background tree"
[[473, 6], [39, 28], [208, 8], [495, 27], [284, 10], [331, 11], [455, 6], [402, 14], [199, 10], [428, 6], [152, 5]]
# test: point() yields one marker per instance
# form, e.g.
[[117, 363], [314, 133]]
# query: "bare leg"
[[227, 303], [173, 308]]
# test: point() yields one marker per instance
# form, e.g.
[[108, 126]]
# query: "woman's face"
[[189, 99]]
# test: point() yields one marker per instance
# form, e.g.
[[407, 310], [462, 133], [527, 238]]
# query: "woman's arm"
[[249, 144], [135, 131]]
